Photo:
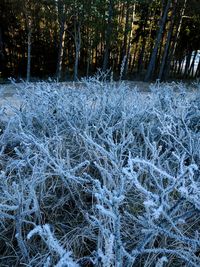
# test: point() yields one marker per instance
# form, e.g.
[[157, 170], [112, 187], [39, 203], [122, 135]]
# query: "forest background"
[[69, 39]]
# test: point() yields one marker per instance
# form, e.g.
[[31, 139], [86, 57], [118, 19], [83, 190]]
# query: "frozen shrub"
[[100, 175]]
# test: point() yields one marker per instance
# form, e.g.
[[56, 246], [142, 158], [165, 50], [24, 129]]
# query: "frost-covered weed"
[[102, 171]]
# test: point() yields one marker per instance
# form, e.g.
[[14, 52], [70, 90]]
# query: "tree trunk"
[[152, 63], [141, 57], [77, 39], [191, 69], [187, 64], [197, 73], [60, 53], [129, 41], [177, 34], [89, 53], [28, 21], [125, 37], [28, 72], [174, 67], [108, 35], [180, 67], [134, 57], [167, 45], [145, 14], [62, 22], [2, 56]]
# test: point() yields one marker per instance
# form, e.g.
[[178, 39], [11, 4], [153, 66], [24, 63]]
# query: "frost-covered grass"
[[100, 176]]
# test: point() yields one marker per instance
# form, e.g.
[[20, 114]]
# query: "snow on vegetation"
[[100, 176]]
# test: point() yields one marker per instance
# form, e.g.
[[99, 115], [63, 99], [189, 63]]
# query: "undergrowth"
[[100, 176]]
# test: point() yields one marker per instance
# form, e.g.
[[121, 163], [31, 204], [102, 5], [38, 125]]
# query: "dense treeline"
[[67, 39]]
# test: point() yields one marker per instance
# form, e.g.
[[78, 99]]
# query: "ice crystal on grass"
[[113, 171], [45, 233]]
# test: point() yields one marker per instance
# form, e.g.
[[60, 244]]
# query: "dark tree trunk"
[[180, 66], [174, 67], [77, 39], [125, 37], [134, 57], [28, 72], [197, 73], [167, 45], [2, 56], [128, 59], [108, 35], [152, 63], [29, 25], [89, 53], [175, 42], [141, 57], [187, 64], [145, 14], [191, 69]]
